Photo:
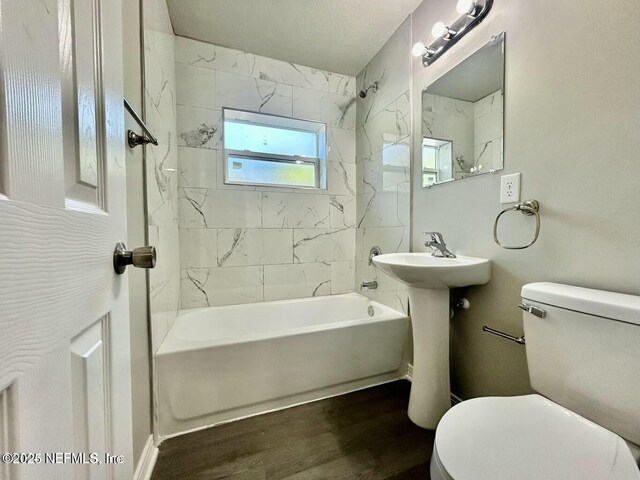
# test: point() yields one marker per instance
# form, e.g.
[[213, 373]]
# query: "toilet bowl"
[[526, 437], [583, 357]]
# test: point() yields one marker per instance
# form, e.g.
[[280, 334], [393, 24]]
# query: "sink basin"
[[423, 270], [429, 279]]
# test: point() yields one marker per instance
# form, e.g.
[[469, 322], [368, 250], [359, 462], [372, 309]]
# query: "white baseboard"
[[147, 461]]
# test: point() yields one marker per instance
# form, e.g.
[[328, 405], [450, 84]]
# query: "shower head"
[[364, 91]]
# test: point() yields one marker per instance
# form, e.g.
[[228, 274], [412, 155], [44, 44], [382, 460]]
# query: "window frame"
[[438, 170], [318, 162], [430, 171]]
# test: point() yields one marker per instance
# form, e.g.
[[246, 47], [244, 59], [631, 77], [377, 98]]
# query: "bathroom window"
[[436, 161], [275, 151]]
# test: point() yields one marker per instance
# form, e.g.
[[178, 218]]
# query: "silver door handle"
[[142, 257], [533, 310]]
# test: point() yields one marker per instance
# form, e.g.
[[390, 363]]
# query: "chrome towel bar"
[[518, 340], [133, 139], [532, 309], [528, 207]]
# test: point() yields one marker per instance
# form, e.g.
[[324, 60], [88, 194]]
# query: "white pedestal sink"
[[429, 279]]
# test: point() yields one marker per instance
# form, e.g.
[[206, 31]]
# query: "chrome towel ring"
[[528, 207]]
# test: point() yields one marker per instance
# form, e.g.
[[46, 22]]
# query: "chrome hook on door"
[[142, 257]]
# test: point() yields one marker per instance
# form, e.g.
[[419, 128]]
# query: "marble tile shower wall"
[[474, 128], [161, 168], [383, 165], [445, 118], [488, 131], [241, 244]]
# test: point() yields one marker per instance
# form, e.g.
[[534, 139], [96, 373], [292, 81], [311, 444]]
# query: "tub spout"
[[369, 285]]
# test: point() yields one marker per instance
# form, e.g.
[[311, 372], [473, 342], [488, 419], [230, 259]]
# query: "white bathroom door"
[[64, 326]]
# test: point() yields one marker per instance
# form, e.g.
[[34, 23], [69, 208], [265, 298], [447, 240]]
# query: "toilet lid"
[[528, 437]]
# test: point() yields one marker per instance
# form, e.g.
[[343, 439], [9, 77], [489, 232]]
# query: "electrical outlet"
[[510, 188]]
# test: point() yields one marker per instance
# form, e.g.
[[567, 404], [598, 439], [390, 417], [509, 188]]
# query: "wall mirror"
[[462, 118]]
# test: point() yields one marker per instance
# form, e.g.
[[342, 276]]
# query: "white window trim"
[[430, 171]]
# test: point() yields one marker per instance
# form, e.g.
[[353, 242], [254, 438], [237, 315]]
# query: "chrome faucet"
[[374, 252], [369, 285], [436, 243]]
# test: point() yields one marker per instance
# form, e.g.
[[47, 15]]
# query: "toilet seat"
[[526, 437]]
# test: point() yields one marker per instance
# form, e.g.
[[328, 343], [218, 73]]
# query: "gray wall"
[[136, 225], [572, 127]]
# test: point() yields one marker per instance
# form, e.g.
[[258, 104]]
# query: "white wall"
[[572, 123], [242, 244]]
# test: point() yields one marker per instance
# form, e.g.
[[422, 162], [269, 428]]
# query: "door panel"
[[89, 385], [64, 348], [87, 52], [80, 42]]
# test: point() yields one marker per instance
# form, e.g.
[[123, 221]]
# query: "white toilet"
[[583, 352]]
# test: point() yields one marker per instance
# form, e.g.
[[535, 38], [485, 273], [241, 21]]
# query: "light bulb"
[[465, 6], [439, 29], [418, 49]]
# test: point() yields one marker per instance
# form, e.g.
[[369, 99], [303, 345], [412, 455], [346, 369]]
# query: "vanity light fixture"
[[468, 7], [471, 14], [440, 30]]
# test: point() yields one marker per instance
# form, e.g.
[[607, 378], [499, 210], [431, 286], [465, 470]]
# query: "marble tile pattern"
[[242, 244], [162, 168], [383, 165], [391, 68], [383, 196], [488, 131], [451, 119], [475, 128]]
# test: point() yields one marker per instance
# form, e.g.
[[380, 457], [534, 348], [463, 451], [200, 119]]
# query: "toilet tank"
[[585, 353]]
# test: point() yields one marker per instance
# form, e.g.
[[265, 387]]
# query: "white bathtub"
[[223, 363]]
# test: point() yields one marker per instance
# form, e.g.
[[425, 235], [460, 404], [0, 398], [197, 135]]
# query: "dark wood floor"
[[363, 435]]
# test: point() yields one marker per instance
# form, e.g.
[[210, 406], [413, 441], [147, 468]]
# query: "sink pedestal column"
[[430, 389]]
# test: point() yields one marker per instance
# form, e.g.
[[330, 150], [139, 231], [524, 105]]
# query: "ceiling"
[[339, 36]]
